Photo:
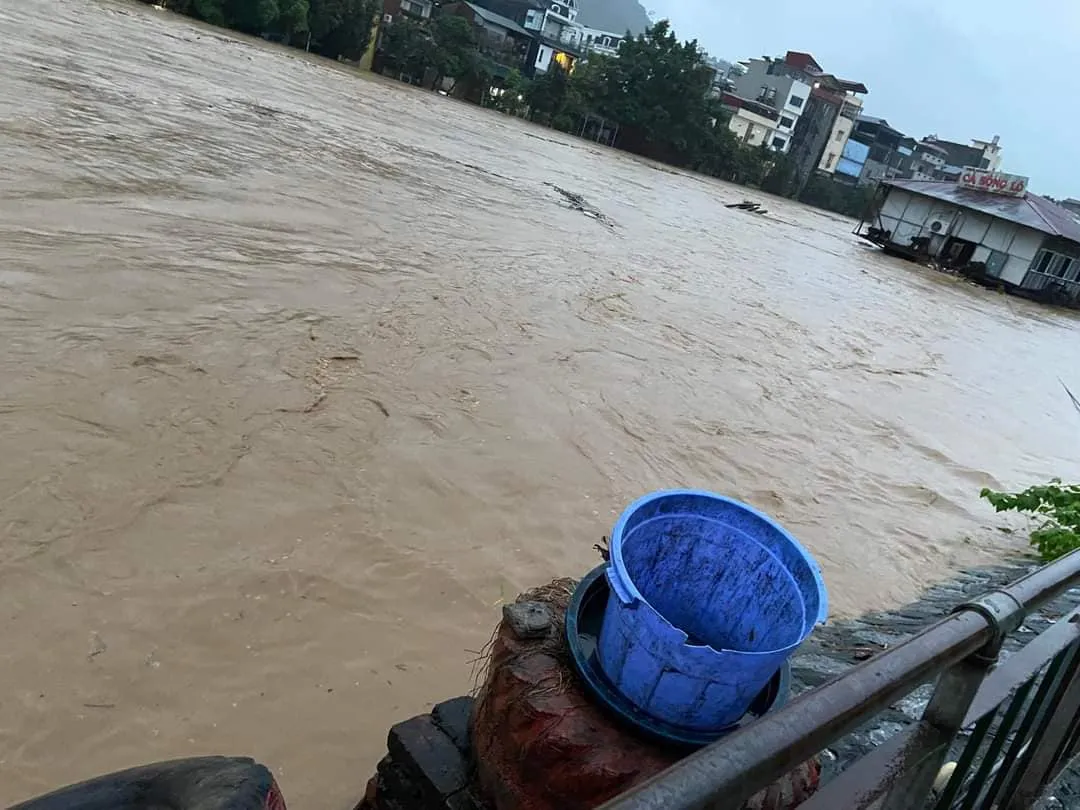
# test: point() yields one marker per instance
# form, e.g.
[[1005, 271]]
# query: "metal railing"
[[1023, 716], [1066, 288]]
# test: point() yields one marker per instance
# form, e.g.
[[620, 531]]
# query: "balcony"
[[851, 111]]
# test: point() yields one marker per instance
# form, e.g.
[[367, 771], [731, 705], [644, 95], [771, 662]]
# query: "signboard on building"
[[1012, 185]]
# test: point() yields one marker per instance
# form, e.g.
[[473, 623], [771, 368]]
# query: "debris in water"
[[748, 205], [578, 203]]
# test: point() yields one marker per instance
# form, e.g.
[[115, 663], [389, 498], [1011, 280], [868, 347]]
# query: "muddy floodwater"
[[303, 373]]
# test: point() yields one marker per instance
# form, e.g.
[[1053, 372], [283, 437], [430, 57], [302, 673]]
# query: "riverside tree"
[[332, 28]]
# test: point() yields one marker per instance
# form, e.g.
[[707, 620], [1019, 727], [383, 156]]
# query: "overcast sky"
[[960, 69]]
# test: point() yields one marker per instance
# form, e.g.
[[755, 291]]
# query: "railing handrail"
[[748, 760]]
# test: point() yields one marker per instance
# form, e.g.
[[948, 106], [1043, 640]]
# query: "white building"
[[986, 225], [991, 152], [602, 42], [563, 39], [753, 123], [841, 132], [783, 87]]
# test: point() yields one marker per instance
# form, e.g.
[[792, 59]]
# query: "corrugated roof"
[[1031, 211], [498, 19]]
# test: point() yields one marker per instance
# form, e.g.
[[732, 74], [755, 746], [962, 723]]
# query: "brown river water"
[[304, 373]]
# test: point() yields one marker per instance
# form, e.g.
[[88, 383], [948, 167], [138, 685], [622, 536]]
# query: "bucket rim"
[[620, 528]]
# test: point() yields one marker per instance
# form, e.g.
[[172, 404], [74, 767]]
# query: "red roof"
[[765, 111], [803, 61], [808, 64]]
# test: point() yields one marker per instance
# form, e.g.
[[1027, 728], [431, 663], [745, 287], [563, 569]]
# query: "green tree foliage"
[[658, 90], [293, 17], [780, 175], [338, 28], [547, 94], [342, 28], [1058, 507], [409, 47], [443, 47], [511, 98], [455, 53], [824, 192]]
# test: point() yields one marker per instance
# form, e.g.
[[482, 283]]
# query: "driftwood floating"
[[748, 205]]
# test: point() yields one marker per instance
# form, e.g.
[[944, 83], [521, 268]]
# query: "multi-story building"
[[752, 122], [602, 42], [839, 135], [874, 152], [927, 161], [808, 103], [502, 40], [775, 84], [991, 152], [958, 156], [414, 8], [560, 38], [877, 152]]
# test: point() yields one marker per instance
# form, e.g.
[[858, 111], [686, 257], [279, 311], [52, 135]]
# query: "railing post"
[[953, 694], [1049, 741]]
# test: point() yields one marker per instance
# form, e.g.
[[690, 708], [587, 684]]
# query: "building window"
[[839, 134], [786, 122], [1043, 261], [778, 143], [796, 101], [419, 9], [1053, 264], [830, 160], [1067, 268]]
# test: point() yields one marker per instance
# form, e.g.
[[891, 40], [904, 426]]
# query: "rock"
[[452, 719], [528, 620]]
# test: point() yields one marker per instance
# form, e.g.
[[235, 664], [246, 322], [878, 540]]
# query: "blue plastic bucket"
[[710, 597]]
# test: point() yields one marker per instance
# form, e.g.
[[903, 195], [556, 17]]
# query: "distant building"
[[958, 156], [850, 166], [892, 155], [560, 38], [1071, 204], [880, 154], [602, 42], [420, 9], [509, 45], [808, 102], [783, 88], [752, 122], [724, 74], [928, 162], [839, 135]]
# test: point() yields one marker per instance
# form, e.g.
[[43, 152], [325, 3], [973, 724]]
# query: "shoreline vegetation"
[[657, 89]]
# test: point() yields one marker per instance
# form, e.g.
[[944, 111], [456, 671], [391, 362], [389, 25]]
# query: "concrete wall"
[[750, 83], [1011, 247], [838, 139], [751, 129]]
